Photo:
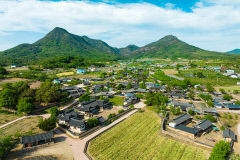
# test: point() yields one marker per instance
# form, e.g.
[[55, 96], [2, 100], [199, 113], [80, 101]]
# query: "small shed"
[[29, 141]]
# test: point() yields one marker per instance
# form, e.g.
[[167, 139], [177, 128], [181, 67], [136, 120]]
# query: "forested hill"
[[171, 47], [236, 51], [60, 42]]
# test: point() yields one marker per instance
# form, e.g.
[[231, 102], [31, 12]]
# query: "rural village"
[[98, 98]]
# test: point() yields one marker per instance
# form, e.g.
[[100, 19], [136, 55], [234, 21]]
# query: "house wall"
[[77, 129], [189, 135]]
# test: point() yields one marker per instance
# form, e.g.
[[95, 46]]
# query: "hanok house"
[[229, 135], [187, 131], [64, 117], [76, 125], [183, 119], [183, 106], [29, 141], [73, 91], [93, 106], [204, 126]]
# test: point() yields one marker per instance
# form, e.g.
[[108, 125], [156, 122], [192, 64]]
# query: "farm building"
[[229, 135], [185, 118], [29, 141], [187, 131], [91, 107], [76, 125]]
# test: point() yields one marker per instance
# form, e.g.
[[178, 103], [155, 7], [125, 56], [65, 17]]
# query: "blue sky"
[[208, 24]]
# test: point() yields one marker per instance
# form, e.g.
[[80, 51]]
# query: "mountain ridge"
[[235, 51], [59, 42]]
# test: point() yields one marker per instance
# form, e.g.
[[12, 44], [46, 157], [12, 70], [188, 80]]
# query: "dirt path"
[[238, 128], [43, 115]]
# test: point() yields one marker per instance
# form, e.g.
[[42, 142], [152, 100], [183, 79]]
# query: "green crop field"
[[138, 138]]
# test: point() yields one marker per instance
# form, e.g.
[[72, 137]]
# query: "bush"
[[220, 151], [85, 97], [54, 111], [111, 115], [210, 118], [47, 124], [227, 97], [131, 106], [121, 111], [191, 112], [6, 144], [92, 122], [222, 128]]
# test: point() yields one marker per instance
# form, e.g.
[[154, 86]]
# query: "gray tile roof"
[[36, 138], [187, 129], [182, 119], [76, 122], [228, 133], [205, 124]]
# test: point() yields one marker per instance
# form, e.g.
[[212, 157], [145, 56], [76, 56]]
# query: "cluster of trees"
[[220, 151], [6, 144], [207, 98], [85, 97], [210, 118], [33, 74], [227, 97], [49, 93], [199, 75], [3, 72], [156, 99], [19, 96], [64, 62], [49, 123], [175, 111], [92, 122]]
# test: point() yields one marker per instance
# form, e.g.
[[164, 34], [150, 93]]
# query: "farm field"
[[138, 138], [211, 77], [11, 80], [170, 71], [65, 74], [22, 126], [228, 88], [6, 117]]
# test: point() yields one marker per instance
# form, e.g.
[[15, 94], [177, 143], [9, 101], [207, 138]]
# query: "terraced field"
[[137, 138]]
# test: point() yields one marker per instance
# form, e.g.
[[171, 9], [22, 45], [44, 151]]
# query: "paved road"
[[173, 76], [78, 145]]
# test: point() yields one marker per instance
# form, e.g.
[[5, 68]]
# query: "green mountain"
[[59, 42], [171, 47], [236, 51]]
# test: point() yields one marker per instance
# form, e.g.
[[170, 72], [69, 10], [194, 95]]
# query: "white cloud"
[[122, 24]]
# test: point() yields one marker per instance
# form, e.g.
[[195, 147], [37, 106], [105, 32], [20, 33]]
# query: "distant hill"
[[60, 42], [171, 47], [236, 51], [127, 51]]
